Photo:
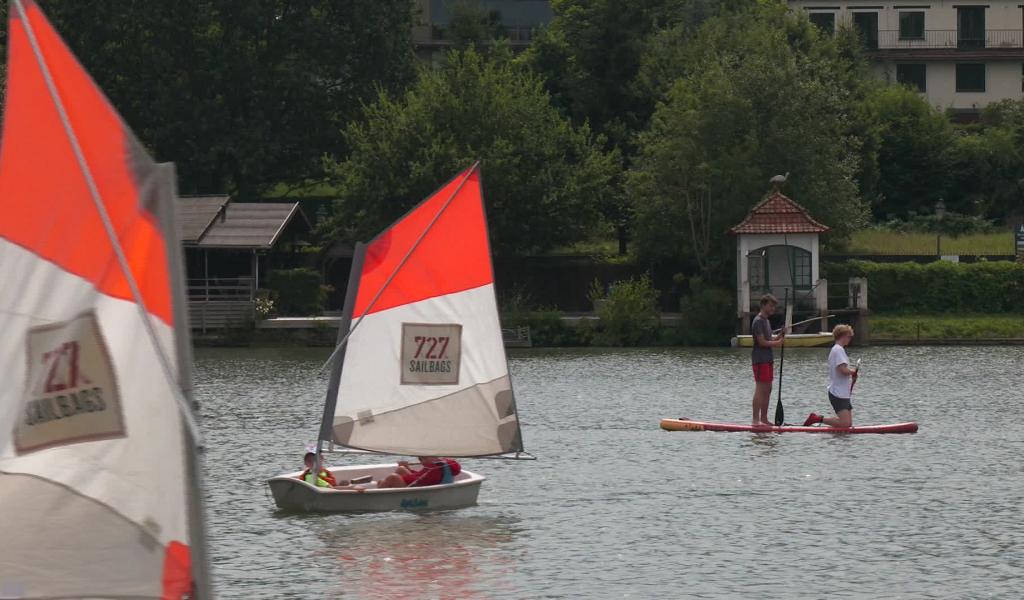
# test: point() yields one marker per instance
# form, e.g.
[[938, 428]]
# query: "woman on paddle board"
[[763, 359], [841, 378]]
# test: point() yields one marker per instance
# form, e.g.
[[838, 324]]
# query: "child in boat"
[[432, 473], [762, 359], [326, 479], [841, 378]]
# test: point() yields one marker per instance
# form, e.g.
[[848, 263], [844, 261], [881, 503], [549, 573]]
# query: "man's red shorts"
[[764, 372]]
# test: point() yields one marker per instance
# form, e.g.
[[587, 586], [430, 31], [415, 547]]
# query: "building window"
[[755, 270], [866, 24], [970, 78], [802, 268], [912, 75], [912, 25], [826, 22]]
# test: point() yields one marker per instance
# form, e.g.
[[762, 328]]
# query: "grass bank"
[[946, 327], [874, 241]]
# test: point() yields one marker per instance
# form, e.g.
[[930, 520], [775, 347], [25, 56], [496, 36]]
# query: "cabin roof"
[[253, 225], [778, 213], [196, 214]]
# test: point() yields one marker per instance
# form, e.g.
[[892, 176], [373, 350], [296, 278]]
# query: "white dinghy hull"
[[294, 495]]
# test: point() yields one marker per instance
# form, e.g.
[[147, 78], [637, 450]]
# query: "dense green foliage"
[[755, 97], [543, 177], [241, 95], [297, 292], [628, 314], [653, 121], [937, 287], [916, 154], [708, 315]]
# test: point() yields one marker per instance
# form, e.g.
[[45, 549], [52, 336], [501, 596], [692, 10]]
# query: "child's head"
[[842, 331], [769, 301]]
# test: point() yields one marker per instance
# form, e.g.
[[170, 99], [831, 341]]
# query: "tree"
[[241, 95], [915, 158], [472, 25], [542, 176], [760, 94], [589, 57]]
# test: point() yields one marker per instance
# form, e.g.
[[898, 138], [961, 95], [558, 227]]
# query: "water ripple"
[[616, 508]]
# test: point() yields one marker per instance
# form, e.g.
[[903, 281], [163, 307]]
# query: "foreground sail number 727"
[[420, 367]]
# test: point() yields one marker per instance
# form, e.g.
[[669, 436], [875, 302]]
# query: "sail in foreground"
[[97, 480], [424, 370]]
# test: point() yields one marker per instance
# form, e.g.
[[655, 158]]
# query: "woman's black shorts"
[[839, 404]]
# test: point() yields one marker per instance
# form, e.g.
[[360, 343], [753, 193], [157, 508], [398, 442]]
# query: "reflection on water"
[[439, 555], [614, 507]]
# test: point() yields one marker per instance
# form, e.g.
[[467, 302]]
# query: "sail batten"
[[424, 370]]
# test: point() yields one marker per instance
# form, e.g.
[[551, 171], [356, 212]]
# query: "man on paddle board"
[[841, 378], [763, 359]]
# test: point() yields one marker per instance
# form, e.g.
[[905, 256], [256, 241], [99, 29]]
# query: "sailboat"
[[420, 367], [99, 494]]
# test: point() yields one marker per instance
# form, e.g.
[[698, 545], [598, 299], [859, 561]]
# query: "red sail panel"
[[45, 204], [453, 256]]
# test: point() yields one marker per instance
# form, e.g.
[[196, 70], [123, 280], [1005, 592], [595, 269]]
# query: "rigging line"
[[94, 193], [401, 264]]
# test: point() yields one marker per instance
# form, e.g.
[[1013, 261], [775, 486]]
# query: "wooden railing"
[[221, 303]]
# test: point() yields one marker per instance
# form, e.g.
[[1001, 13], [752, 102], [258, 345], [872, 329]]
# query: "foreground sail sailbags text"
[[97, 476], [421, 367]]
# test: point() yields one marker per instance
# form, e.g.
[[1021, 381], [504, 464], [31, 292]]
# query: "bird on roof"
[[778, 181]]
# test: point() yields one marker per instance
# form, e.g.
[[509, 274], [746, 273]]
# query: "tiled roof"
[[196, 214], [778, 214], [251, 225]]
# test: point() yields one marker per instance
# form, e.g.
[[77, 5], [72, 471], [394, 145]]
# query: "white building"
[[777, 252], [961, 55]]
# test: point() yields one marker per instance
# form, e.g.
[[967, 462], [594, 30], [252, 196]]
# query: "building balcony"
[[947, 44]]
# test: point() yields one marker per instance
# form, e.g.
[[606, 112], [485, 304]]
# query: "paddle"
[[774, 331], [780, 413], [856, 368]]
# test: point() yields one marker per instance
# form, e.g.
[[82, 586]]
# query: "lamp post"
[[940, 212]]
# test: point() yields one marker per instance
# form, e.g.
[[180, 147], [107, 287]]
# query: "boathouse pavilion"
[[228, 248], [778, 252]]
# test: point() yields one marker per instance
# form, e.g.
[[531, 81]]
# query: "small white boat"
[[420, 367], [293, 494]]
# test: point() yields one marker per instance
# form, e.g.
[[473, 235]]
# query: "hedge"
[[297, 292], [937, 287]]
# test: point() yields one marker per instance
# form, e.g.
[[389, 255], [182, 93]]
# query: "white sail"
[[424, 369], [97, 482]]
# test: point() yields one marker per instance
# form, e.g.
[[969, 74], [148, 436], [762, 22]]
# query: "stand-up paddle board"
[[689, 425]]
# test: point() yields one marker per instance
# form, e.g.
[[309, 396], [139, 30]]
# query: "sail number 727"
[[436, 349]]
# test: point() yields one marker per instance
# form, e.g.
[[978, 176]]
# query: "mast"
[[351, 292], [167, 196]]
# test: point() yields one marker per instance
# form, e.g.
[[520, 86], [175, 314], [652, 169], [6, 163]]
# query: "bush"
[[297, 292], [629, 314], [938, 287], [708, 315]]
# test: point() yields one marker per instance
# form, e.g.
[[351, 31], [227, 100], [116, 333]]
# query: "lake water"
[[617, 508]]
